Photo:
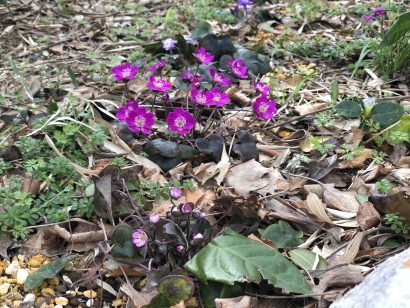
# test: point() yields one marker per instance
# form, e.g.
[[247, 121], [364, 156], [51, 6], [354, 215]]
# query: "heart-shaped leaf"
[[212, 147], [349, 109], [246, 147], [201, 30], [217, 45], [283, 235], [124, 249], [176, 288], [386, 113], [235, 258]]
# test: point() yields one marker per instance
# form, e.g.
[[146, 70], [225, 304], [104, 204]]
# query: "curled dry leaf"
[[357, 162], [317, 208], [339, 277], [353, 248], [308, 108], [341, 200], [236, 95], [367, 216]]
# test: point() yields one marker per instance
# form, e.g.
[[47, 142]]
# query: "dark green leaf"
[[283, 235], [176, 288], [72, 76], [386, 113], [49, 270], [235, 258], [186, 49], [400, 27], [307, 259], [212, 147], [124, 249], [201, 30], [152, 48], [334, 90], [212, 290], [246, 146], [162, 147], [349, 109]]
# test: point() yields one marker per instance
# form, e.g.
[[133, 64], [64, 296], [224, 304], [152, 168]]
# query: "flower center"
[[126, 72], [158, 84], [216, 98], [201, 99], [218, 78], [263, 107], [180, 122], [202, 57], [140, 121]]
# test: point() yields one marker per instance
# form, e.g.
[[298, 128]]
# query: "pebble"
[[47, 292], [22, 275], [29, 298], [4, 288], [58, 306], [117, 303], [90, 303], [90, 294], [61, 301], [12, 268]]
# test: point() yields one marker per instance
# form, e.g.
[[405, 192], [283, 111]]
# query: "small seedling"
[[397, 223], [384, 186], [321, 147]]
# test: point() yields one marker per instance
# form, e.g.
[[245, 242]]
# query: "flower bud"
[[154, 218], [175, 193], [180, 248], [186, 208], [198, 215], [198, 236]]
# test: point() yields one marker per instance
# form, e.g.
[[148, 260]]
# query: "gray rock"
[[387, 286]]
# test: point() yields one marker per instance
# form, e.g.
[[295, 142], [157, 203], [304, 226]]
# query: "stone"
[[61, 301], [90, 294], [4, 288], [90, 302], [22, 275], [387, 286], [12, 269], [47, 292], [29, 298]]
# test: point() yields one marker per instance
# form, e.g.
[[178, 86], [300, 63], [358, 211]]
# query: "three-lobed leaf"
[[235, 258], [283, 235]]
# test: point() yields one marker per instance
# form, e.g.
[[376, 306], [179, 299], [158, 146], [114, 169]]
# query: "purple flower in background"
[[199, 97], [123, 111], [245, 3], [158, 66], [180, 248], [175, 193], [198, 236], [203, 56], [124, 71], [186, 208], [180, 121], [216, 97], [237, 68], [186, 75], [140, 120], [168, 43], [139, 238], [154, 218], [368, 19], [261, 87], [264, 108], [190, 40], [158, 84], [379, 11], [219, 78]]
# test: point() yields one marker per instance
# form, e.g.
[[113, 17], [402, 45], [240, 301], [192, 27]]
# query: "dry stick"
[[293, 296], [91, 236], [298, 118]]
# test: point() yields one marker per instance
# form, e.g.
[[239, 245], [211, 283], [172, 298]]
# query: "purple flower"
[[154, 218], [180, 121], [245, 3], [186, 75], [158, 66], [198, 215], [216, 97], [379, 11], [123, 111], [190, 40], [168, 43], [124, 71], [180, 248], [186, 208], [219, 78], [261, 87], [139, 238], [264, 108], [203, 56], [140, 120], [199, 97], [368, 19], [158, 84], [175, 193], [237, 68], [198, 236]]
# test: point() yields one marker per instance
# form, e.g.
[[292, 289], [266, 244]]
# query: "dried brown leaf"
[[317, 208]]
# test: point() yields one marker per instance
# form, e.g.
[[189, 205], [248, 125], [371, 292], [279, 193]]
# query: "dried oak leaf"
[[393, 203], [367, 216]]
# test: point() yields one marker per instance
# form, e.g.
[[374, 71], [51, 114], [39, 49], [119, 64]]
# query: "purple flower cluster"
[[379, 11], [138, 118]]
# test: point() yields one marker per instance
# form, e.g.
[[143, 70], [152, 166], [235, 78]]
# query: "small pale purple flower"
[[168, 43], [180, 248], [157, 66], [140, 120], [158, 84], [198, 215], [203, 56], [199, 97], [198, 236], [139, 238], [219, 78], [261, 87], [379, 11], [124, 71], [175, 193], [180, 121], [123, 111], [245, 3], [237, 68], [217, 98], [368, 19], [186, 208], [153, 218], [264, 108], [190, 40]]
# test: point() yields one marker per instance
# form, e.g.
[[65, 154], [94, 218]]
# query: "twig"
[[293, 296]]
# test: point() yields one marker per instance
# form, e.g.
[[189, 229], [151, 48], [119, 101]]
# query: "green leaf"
[[307, 259], [49, 270], [400, 27], [283, 235], [123, 250], [201, 30], [400, 132], [176, 288], [349, 108], [71, 73], [386, 113], [334, 90], [235, 258]]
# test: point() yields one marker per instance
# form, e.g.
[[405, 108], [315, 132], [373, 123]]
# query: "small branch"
[[91, 236]]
